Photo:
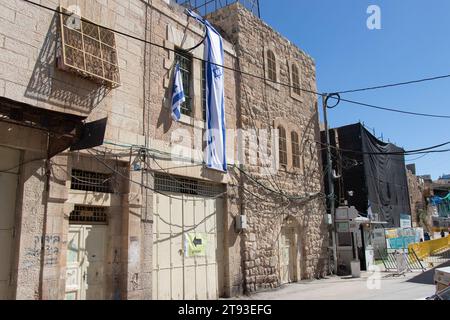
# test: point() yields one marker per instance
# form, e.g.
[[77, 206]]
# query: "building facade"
[[416, 188], [370, 176], [287, 238], [444, 179], [139, 216], [365, 176]]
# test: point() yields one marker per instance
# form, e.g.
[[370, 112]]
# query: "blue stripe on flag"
[[178, 96]]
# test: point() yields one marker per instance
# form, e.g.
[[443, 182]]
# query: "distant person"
[[442, 234], [427, 236]]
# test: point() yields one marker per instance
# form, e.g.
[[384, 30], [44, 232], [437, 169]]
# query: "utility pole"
[[331, 196]]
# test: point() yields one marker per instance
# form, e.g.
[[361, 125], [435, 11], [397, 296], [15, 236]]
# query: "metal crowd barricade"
[[401, 261]]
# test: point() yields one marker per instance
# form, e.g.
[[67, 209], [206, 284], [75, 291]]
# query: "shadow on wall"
[[165, 116], [56, 87]]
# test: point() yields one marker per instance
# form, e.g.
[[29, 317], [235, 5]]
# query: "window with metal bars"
[[296, 79], [88, 50], [89, 215], [91, 181], [271, 66], [282, 146], [173, 184], [295, 150], [185, 60]]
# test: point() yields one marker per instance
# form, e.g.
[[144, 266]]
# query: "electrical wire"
[[94, 184], [410, 152], [282, 194], [173, 50], [289, 197], [254, 179], [21, 164], [429, 115], [422, 156], [145, 186], [428, 152], [166, 156], [265, 79], [396, 84], [172, 177], [336, 95], [351, 163]]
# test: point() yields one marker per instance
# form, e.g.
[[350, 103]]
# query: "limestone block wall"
[[416, 197], [29, 42], [138, 113], [265, 105], [168, 26]]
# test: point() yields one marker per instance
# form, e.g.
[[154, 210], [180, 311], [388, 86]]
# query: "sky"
[[413, 43]]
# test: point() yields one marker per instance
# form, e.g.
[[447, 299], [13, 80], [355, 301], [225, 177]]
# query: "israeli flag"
[[177, 93], [216, 157]]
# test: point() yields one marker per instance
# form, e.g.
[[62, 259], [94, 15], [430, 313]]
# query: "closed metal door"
[[85, 276], [176, 274], [9, 158]]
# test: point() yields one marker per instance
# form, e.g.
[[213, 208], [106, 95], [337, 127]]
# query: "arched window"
[[295, 150], [271, 66], [296, 79], [282, 146]]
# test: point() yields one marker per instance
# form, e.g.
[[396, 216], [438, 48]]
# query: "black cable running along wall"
[[376, 177]]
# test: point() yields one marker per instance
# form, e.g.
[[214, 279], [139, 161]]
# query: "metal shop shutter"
[[179, 218]]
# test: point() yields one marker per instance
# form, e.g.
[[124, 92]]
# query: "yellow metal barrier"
[[427, 248]]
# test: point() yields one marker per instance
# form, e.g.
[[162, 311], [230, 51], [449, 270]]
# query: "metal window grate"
[[166, 183], [89, 214], [88, 50], [91, 181]]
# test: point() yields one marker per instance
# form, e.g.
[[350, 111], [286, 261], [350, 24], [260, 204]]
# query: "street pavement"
[[411, 286]]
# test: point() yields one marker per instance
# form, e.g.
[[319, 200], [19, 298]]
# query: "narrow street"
[[412, 286]]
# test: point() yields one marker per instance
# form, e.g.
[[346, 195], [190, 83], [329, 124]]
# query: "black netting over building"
[[204, 7], [368, 170]]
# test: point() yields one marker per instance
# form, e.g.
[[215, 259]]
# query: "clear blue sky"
[[414, 42]]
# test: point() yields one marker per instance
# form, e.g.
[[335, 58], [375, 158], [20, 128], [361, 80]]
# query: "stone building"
[[416, 188], [119, 220], [287, 238]]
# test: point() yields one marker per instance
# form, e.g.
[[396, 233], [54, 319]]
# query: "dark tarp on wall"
[[353, 176], [386, 179], [380, 179]]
